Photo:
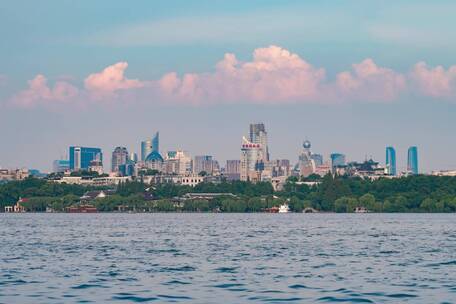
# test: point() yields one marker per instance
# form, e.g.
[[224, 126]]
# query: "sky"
[[350, 76]]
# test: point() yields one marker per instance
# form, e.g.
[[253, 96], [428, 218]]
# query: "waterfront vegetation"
[[421, 193]]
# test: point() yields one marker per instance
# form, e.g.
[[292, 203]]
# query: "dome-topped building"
[[306, 144]]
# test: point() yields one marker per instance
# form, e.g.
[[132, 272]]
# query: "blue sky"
[[66, 41]]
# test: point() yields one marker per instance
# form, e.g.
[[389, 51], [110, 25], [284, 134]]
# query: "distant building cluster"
[[85, 164]]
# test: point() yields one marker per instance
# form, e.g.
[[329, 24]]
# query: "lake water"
[[228, 258]]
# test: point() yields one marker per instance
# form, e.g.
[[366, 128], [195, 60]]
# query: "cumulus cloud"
[[273, 75], [110, 80], [370, 82], [434, 82], [38, 92]]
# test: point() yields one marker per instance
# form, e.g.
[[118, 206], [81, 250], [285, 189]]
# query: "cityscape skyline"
[[370, 79], [308, 162]]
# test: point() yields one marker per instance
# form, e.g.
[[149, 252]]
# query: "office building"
[[233, 169], [337, 160], [317, 158], [204, 163], [258, 135], [390, 161], [150, 145], [412, 160], [80, 157], [251, 164], [177, 162], [119, 158], [60, 165]]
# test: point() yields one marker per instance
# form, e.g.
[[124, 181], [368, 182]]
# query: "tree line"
[[420, 193]]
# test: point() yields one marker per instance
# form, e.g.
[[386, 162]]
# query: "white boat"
[[361, 210], [284, 208]]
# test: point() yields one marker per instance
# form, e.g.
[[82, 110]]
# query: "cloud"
[[274, 75], [38, 92], [110, 80], [370, 82], [434, 82]]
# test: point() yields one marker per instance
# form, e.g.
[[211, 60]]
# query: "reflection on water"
[[227, 258]]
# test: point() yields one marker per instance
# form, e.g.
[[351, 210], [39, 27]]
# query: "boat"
[[361, 210], [284, 208]]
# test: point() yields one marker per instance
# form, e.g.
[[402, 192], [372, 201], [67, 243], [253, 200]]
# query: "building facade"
[[119, 158], [412, 160], [390, 162], [337, 160], [306, 164], [150, 145], [80, 157], [251, 164]]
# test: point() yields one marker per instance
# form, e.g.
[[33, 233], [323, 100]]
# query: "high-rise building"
[[177, 162], [306, 163], [337, 160], [119, 158], [390, 161], [80, 157], [258, 135], [281, 167], [150, 145], [232, 169], [204, 163], [156, 142], [251, 161], [60, 165], [133, 157], [317, 158], [146, 149], [412, 160]]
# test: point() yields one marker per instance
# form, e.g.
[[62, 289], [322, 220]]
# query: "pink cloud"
[[110, 80], [38, 92], [435, 82], [370, 82], [274, 75]]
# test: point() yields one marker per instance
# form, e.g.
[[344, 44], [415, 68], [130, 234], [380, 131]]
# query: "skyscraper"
[[258, 135], [150, 145], [156, 142], [119, 158], [317, 158], [146, 149], [203, 163], [80, 157], [337, 159], [251, 161], [390, 161], [232, 169], [412, 160], [306, 163]]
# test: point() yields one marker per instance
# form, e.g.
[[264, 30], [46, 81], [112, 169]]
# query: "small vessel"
[[284, 208], [361, 210]]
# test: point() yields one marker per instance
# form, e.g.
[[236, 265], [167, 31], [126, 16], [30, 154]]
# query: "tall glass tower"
[[80, 157], [390, 160], [156, 142], [150, 145], [412, 160]]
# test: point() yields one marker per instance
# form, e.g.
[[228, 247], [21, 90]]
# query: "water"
[[227, 258]]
